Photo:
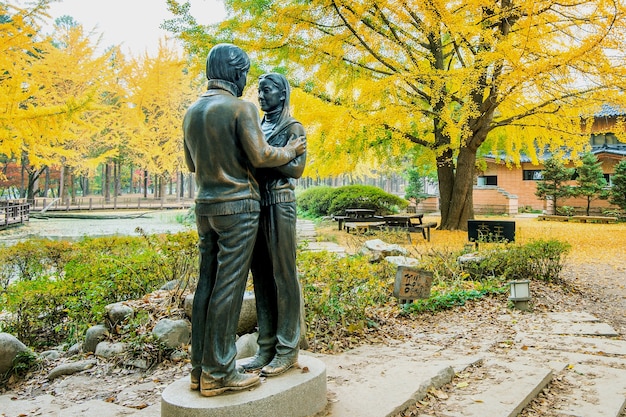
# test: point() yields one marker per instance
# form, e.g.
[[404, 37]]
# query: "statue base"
[[299, 392]]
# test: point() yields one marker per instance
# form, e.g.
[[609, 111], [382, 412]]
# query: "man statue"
[[276, 286], [224, 144]]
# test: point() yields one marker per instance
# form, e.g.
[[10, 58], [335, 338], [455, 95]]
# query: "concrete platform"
[[300, 392]]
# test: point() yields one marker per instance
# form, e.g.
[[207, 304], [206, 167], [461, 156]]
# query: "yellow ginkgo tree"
[[448, 76], [159, 91], [59, 94]]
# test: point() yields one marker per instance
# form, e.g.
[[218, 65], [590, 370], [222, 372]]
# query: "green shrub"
[[57, 303], [326, 201], [496, 265], [315, 201], [339, 293]]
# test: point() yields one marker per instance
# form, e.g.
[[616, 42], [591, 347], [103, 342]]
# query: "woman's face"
[[270, 95]]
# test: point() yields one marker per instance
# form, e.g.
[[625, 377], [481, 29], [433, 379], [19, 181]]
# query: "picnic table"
[[408, 222], [360, 213], [355, 215]]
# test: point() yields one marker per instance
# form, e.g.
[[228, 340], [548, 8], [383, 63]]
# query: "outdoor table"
[[359, 213]]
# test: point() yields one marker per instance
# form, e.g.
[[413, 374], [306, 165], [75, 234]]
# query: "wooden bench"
[[553, 217], [361, 227], [340, 220], [425, 229], [594, 219]]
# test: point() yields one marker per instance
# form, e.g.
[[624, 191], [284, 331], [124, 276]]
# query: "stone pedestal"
[[299, 392]]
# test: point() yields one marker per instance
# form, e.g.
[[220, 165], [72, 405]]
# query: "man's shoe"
[[195, 380], [210, 387], [254, 363], [279, 365]]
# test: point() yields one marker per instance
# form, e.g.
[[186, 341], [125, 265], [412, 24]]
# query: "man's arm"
[[188, 160], [295, 167]]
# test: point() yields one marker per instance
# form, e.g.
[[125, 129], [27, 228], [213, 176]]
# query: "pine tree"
[[415, 187], [618, 190], [591, 182], [554, 185]]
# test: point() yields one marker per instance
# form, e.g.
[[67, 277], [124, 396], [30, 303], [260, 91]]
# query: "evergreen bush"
[[326, 201]]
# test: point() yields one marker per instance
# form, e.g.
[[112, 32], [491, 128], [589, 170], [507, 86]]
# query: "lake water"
[[151, 222]]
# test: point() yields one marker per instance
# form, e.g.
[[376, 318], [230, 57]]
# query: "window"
[[532, 175], [487, 180], [604, 139], [607, 178]]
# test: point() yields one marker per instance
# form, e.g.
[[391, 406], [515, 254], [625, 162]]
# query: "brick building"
[[502, 189]]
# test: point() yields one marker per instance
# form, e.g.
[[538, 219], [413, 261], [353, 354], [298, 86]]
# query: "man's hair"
[[226, 62]]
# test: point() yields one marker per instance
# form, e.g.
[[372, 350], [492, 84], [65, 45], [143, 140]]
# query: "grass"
[[591, 243]]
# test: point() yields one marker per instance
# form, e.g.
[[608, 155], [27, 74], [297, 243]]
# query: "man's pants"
[[225, 245]]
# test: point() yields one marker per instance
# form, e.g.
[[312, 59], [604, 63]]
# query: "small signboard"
[[491, 230], [412, 283]]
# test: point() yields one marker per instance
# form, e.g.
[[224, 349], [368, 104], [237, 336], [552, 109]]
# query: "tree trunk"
[[117, 181], [457, 187], [61, 192], [106, 185], [46, 188], [145, 184]]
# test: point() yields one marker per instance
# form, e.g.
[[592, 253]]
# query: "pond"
[[98, 223]]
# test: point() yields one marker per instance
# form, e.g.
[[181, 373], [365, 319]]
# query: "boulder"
[[402, 261], [71, 368], [172, 333], [247, 345], [378, 250], [119, 312], [95, 334], [109, 350], [247, 317], [10, 349]]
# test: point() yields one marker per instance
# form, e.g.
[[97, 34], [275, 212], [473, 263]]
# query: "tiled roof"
[[617, 149], [609, 110]]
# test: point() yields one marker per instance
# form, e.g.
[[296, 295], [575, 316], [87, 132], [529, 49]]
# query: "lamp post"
[[520, 294]]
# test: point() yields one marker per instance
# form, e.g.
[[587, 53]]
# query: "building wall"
[[511, 180]]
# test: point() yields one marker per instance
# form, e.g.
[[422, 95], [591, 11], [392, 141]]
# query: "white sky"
[[133, 24]]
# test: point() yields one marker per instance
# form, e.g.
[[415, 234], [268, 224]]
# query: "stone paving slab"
[[584, 329], [43, 405], [511, 386], [598, 391], [383, 380], [574, 344]]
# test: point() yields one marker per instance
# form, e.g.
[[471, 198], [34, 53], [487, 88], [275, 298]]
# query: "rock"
[[74, 349], [10, 349], [247, 345], [50, 355], [95, 334], [119, 312], [172, 333], [71, 368], [378, 250], [188, 304], [108, 350], [247, 317], [470, 257], [170, 285], [137, 363], [178, 356], [402, 260]]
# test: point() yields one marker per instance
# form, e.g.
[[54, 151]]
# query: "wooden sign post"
[[412, 284]]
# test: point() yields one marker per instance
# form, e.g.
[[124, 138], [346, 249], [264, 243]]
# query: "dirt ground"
[[594, 286]]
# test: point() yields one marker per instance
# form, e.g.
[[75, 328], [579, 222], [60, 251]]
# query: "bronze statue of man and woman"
[[245, 169]]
